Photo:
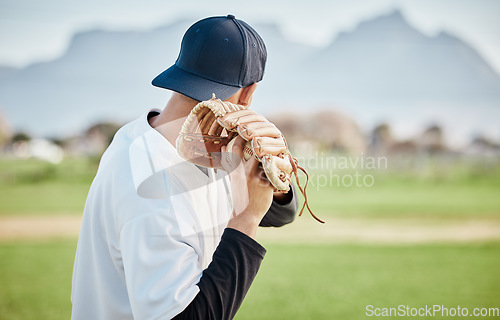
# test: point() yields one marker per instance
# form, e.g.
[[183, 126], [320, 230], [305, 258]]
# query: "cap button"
[[230, 16]]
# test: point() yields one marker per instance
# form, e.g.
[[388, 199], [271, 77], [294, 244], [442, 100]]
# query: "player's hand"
[[267, 138], [250, 124], [252, 193]]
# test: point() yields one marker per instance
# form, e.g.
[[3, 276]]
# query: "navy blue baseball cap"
[[218, 55]]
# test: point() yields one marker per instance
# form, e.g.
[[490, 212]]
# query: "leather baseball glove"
[[215, 123]]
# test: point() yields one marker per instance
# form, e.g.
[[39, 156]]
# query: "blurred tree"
[[92, 142], [99, 136], [381, 139], [5, 130], [104, 130], [431, 139], [484, 142], [325, 130], [58, 142], [20, 137], [481, 145], [338, 131]]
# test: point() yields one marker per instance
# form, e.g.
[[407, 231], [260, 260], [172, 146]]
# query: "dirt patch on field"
[[383, 231], [43, 227], [303, 230]]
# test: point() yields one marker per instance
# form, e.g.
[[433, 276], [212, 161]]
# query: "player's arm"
[[227, 279], [237, 259], [283, 210], [163, 274], [284, 206]]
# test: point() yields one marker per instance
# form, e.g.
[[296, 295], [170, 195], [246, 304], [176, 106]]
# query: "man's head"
[[218, 55]]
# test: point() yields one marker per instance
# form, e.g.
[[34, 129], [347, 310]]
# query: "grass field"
[[31, 188], [295, 282], [36, 280], [339, 281]]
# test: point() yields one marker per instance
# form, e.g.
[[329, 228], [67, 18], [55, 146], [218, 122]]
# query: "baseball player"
[[162, 238]]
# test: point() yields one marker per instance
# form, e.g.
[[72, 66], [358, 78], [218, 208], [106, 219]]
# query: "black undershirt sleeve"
[[234, 265], [280, 214], [226, 280]]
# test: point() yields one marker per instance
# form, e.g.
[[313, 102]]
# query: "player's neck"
[[170, 120]]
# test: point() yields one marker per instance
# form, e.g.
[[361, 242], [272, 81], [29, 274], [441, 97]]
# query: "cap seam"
[[243, 65]]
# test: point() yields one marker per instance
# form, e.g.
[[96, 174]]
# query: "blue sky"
[[32, 31]]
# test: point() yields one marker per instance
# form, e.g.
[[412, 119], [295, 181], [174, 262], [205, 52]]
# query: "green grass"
[[33, 187], [295, 281], [390, 198], [32, 171], [339, 281], [35, 280], [437, 191], [433, 190], [48, 198]]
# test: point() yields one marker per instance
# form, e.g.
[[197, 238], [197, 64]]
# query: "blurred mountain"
[[385, 70], [103, 75], [382, 70], [386, 57]]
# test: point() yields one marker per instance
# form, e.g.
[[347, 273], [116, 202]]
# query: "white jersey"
[[151, 224]]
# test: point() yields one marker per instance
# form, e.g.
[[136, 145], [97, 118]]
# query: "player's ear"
[[246, 94]]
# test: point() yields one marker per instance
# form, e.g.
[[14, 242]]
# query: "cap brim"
[[191, 85]]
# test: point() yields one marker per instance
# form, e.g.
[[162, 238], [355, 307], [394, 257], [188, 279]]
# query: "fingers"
[[233, 119], [283, 164], [266, 145], [232, 160], [258, 129], [265, 139], [238, 149]]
